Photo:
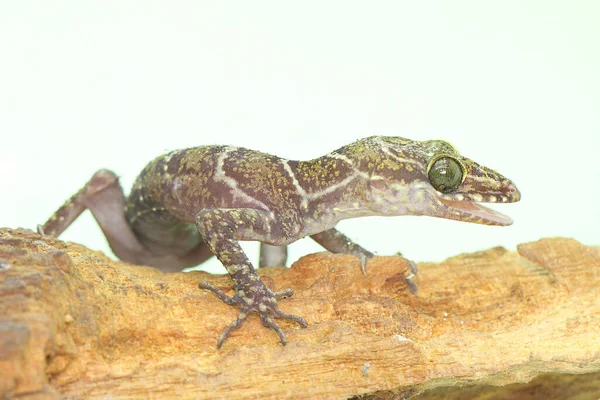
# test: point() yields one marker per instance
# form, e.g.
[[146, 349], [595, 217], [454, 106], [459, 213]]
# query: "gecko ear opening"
[[379, 184], [445, 173]]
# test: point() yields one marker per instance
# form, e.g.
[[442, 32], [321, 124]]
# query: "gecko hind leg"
[[272, 256], [104, 197]]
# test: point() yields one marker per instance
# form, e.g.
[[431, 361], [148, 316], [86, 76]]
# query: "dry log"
[[492, 324]]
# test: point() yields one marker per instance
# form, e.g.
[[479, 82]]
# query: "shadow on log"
[[492, 324]]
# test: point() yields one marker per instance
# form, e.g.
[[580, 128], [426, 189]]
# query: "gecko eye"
[[445, 173]]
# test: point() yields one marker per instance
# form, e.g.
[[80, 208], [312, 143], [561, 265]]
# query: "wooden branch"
[[75, 324]]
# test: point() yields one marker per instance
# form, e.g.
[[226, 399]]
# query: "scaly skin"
[[190, 204]]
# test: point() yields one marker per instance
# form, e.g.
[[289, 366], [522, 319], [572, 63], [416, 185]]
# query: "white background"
[[514, 85]]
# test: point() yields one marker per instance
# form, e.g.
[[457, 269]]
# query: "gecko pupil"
[[445, 174]]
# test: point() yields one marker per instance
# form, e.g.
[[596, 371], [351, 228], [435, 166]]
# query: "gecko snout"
[[511, 192]]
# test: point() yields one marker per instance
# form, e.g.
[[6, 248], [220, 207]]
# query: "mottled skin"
[[189, 204]]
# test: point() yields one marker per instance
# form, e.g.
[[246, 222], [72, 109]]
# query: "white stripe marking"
[[333, 188], [299, 189], [387, 151], [349, 162], [384, 146], [220, 176]]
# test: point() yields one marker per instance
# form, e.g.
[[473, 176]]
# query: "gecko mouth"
[[481, 214]]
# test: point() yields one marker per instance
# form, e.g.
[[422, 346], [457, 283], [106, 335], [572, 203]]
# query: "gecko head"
[[432, 178]]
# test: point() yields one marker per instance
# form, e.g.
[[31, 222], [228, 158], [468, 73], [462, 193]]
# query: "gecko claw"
[[40, 230], [364, 256], [284, 294], [410, 277], [363, 263]]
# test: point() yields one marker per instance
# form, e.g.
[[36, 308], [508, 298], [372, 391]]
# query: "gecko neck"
[[332, 188]]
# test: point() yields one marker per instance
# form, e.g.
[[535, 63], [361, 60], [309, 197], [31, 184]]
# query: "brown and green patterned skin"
[[190, 204]]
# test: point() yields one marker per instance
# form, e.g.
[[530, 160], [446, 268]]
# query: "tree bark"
[[75, 324]]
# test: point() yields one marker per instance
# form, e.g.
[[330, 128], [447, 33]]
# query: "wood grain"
[[74, 323]]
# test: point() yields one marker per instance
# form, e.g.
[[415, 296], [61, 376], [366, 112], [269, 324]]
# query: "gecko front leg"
[[221, 229], [336, 242]]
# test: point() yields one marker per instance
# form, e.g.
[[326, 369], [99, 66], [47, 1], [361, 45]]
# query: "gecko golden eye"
[[445, 174]]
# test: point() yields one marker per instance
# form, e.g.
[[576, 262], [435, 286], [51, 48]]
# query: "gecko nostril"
[[512, 192]]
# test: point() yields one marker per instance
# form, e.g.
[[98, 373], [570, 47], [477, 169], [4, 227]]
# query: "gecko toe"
[[412, 286], [220, 294], [410, 277], [284, 294], [269, 323], [283, 315], [364, 256], [363, 264], [233, 326], [412, 266]]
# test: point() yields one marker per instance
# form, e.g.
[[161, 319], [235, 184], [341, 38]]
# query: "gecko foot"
[[410, 277], [260, 300]]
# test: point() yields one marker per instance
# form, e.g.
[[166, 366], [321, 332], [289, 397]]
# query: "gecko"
[[188, 205]]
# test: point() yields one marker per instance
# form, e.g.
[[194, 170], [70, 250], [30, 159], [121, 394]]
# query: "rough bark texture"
[[493, 324]]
